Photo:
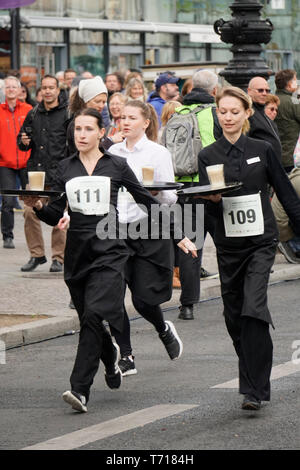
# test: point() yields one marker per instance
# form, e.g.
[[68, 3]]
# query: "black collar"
[[227, 146]]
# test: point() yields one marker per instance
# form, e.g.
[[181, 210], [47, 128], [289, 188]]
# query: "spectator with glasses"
[[261, 126], [271, 106]]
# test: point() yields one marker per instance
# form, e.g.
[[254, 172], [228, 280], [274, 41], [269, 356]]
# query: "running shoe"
[[127, 366], [171, 341], [205, 275], [113, 375], [288, 253], [76, 400], [251, 403]]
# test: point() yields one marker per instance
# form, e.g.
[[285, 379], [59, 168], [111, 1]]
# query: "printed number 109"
[[241, 217]]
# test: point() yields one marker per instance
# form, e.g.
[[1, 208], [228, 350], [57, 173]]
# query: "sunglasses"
[[273, 109], [261, 90]]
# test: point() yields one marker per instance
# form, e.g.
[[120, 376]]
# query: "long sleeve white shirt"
[[145, 153]]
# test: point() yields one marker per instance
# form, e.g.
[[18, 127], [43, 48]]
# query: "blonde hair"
[[168, 108], [119, 95], [245, 99], [132, 82], [148, 112]]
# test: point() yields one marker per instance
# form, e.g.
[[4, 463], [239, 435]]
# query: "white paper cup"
[[216, 175], [36, 180], [148, 174]]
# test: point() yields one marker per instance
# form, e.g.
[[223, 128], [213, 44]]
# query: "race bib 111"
[[243, 216], [89, 195]]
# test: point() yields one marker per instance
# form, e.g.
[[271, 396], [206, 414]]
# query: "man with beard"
[[166, 89]]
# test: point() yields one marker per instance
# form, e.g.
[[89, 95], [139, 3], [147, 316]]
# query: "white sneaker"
[[76, 400]]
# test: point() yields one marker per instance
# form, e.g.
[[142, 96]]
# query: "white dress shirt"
[[145, 153]]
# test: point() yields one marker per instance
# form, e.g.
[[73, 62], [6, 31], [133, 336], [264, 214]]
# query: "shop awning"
[[204, 33]]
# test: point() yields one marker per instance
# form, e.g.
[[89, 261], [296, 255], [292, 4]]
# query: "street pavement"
[[43, 293], [179, 405]]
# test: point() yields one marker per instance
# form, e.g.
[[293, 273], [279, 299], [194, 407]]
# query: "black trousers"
[[8, 181], [253, 344], [93, 299], [152, 313], [189, 267]]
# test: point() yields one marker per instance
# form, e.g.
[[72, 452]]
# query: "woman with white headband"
[[90, 93]]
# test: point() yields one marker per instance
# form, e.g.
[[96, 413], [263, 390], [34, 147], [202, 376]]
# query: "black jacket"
[[200, 96], [263, 128], [253, 163], [48, 140]]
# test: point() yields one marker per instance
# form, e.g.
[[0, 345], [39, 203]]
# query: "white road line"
[[282, 370], [99, 431]]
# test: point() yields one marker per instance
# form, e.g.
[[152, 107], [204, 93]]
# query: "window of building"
[[129, 10]]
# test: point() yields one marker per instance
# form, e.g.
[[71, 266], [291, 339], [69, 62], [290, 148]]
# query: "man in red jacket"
[[12, 160]]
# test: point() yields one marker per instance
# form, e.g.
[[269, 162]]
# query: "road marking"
[[100, 431], [282, 370]]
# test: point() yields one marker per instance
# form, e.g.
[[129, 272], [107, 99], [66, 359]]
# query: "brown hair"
[[283, 77], [93, 113], [272, 99], [187, 87], [238, 93], [148, 112], [132, 75], [76, 103]]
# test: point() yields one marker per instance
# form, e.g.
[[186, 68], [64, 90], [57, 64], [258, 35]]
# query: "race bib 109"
[[89, 195], [243, 216]]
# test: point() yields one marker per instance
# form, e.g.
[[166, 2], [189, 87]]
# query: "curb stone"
[[40, 330]]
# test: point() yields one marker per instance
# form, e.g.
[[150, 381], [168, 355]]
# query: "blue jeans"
[[295, 244]]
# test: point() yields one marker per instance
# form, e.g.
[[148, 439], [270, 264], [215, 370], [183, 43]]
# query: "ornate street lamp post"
[[246, 31]]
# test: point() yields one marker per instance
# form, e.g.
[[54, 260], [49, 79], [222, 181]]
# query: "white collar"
[[138, 146]]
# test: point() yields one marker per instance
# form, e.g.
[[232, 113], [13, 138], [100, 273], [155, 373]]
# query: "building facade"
[[107, 35]]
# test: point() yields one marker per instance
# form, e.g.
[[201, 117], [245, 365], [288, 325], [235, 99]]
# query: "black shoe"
[[206, 275], [76, 400], [288, 253], [127, 366], [8, 243], [33, 263], [113, 375], [56, 266], [251, 403], [171, 341], [186, 312]]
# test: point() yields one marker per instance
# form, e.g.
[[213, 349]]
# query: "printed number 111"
[[88, 195]]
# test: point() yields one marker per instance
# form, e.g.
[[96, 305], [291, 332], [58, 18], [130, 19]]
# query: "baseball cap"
[[164, 78]]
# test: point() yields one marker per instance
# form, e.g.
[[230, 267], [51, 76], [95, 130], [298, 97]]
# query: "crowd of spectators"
[[276, 118]]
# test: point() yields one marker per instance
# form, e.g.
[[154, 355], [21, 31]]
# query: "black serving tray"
[[31, 192], [162, 186], [209, 190]]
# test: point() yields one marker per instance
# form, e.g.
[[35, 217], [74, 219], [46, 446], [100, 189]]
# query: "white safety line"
[[282, 370], [118, 425]]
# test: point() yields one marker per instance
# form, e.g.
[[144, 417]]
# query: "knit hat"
[[90, 88]]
